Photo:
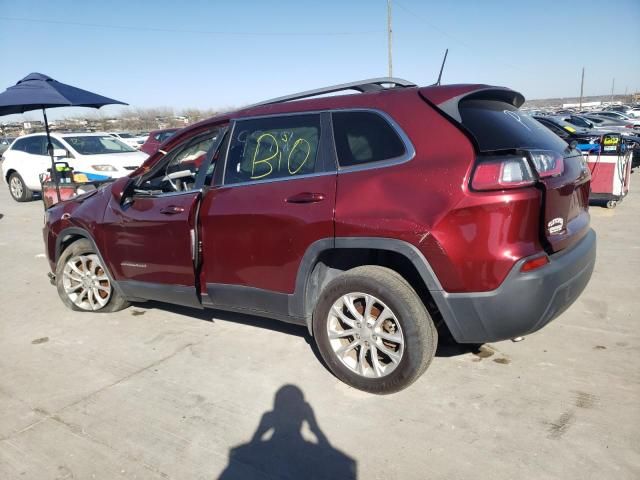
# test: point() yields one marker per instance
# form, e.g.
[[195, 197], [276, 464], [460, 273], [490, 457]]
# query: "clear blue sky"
[[220, 54]]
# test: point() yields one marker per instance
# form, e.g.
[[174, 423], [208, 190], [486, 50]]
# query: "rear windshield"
[[499, 126]]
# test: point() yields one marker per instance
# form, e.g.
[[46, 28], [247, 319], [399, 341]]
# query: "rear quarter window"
[[364, 137], [498, 125]]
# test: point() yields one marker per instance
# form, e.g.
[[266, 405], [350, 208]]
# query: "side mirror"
[[60, 153], [119, 188]]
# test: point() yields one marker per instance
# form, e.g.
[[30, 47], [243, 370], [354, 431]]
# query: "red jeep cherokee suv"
[[370, 218]]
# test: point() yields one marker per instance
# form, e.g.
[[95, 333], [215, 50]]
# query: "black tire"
[[79, 248], [26, 195], [418, 329]]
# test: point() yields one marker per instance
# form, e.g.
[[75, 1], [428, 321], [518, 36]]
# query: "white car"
[[634, 112], [618, 116], [135, 141], [90, 153]]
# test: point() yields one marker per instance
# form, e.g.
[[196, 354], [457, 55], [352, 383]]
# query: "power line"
[[452, 37], [202, 32]]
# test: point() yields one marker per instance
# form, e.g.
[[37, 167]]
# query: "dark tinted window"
[[363, 137], [578, 121], [34, 145], [274, 147], [19, 145], [498, 126]]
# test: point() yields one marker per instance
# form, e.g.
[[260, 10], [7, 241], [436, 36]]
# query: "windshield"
[[97, 145], [125, 135]]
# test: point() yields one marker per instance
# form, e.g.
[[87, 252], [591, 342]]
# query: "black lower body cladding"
[[525, 302]]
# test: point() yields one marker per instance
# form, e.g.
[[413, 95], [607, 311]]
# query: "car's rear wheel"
[[83, 282], [373, 330], [19, 191]]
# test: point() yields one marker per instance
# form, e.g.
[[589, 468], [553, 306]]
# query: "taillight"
[[501, 172], [547, 163]]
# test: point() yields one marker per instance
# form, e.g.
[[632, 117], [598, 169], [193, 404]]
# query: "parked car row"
[[90, 153], [611, 147], [134, 141], [109, 155], [146, 142]]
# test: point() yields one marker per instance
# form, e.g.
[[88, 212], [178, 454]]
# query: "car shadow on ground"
[[278, 449], [447, 346]]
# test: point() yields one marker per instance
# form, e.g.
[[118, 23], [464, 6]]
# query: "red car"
[[371, 219], [157, 138]]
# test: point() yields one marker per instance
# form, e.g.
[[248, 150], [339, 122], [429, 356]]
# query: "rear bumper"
[[525, 302]]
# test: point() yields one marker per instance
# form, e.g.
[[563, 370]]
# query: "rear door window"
[[273, 148], [20, 145], [365, 137], [36, 145], [498, 125]]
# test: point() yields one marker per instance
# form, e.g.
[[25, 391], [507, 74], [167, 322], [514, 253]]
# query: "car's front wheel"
[[373, 330], [83, 282], [19, 191]]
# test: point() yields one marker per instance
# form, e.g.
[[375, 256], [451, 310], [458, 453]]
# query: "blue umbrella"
[[37, 91]]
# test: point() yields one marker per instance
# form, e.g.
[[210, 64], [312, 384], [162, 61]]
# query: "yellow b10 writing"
[[267, 157]]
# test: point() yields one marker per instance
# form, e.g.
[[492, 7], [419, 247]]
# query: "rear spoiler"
[[447, 98]]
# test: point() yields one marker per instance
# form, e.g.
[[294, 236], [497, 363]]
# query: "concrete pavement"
[[157, 391]]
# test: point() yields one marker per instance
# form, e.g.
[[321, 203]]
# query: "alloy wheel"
[[86, 283], [16, 186], [365, 335]]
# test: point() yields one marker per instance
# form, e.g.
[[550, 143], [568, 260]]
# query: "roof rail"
[[362, 86]]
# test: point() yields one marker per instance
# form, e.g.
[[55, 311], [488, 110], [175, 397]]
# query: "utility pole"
[[581, 88], [390, 37], [613, 85]]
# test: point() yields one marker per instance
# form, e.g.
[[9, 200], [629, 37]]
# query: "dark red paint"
[[252, 236]]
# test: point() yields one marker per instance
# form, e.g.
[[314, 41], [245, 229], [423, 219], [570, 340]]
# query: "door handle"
[[305, 197], [171, 210]]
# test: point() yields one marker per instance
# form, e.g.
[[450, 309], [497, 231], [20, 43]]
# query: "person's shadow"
[[278, 450]]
